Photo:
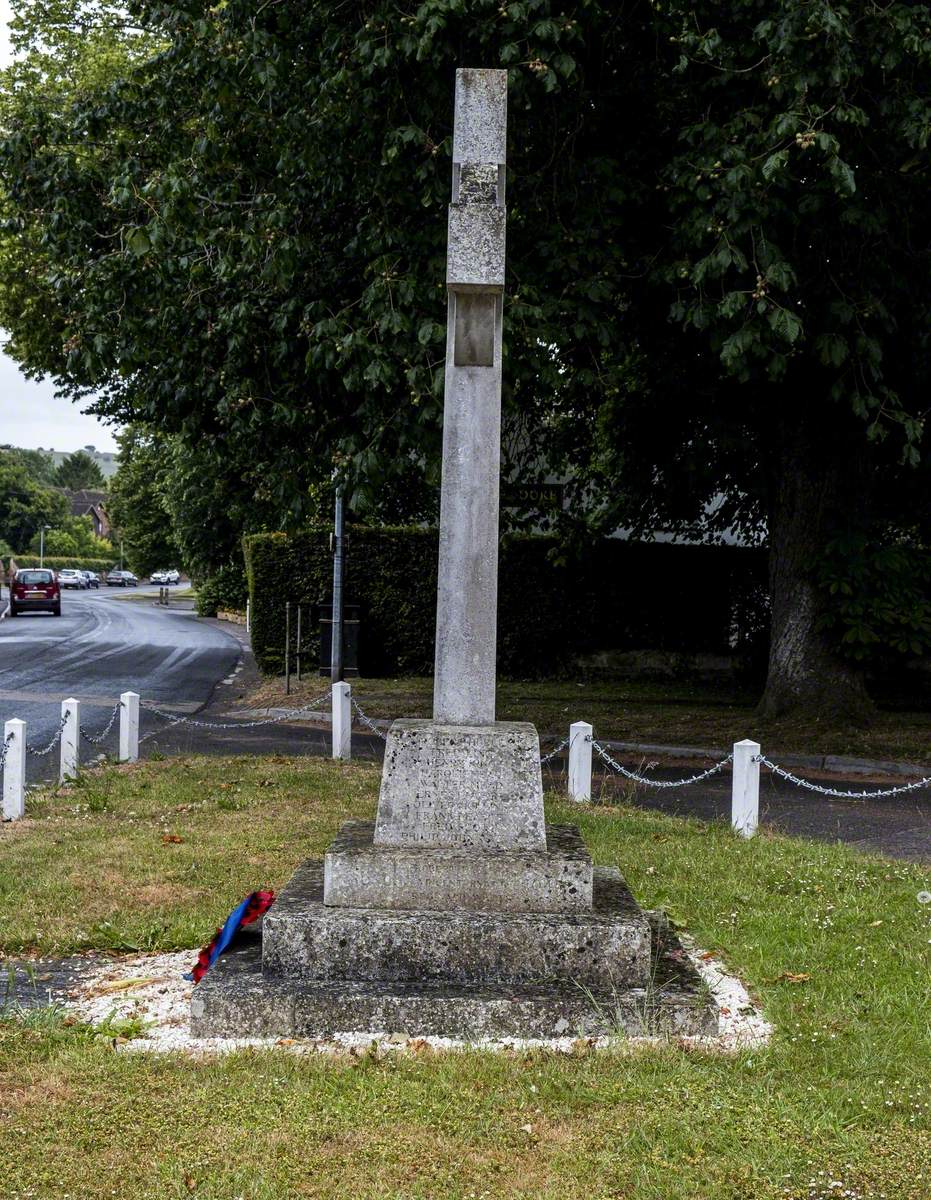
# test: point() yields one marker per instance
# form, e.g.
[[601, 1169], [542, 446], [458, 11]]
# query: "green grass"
[[843, 1088], [664, 712]]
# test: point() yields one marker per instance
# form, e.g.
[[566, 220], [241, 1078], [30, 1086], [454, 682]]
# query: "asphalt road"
[[100, 646]]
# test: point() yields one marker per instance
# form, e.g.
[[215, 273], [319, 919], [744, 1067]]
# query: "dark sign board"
[[532, 497]]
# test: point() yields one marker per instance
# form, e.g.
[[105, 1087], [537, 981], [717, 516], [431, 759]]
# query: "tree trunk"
[[817, 485]]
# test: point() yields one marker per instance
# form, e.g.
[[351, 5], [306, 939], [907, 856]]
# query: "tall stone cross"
[[467, 599], [463, 779]]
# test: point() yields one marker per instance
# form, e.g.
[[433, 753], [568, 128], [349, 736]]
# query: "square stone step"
[[236, 999], [461, 785], [606, 947], [360, 874]]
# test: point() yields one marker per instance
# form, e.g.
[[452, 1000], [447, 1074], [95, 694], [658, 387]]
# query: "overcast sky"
[[30, 416]]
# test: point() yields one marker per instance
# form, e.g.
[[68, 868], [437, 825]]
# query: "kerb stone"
[[461, 785]]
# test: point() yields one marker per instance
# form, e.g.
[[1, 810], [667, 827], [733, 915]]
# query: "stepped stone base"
[[238, 1000], [360, 874], [604, 948]]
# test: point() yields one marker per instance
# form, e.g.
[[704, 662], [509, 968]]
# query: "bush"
[[226, 590], [99, 565], [551, 607]]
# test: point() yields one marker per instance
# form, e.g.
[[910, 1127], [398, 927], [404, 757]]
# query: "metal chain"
[[846, 795], [53, 743], [658, 783], [177, 718], [4, 748], [96, 740], [367, 720], [556, 750]]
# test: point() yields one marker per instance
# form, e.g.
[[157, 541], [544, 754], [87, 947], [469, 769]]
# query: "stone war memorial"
[[459, 912]]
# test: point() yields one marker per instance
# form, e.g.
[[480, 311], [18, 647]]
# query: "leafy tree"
[[136, 505], [39, 465], [718, 254], [72, 536], [79, 471], [26, 505]]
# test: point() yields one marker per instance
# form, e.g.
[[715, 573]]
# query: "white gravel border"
[[150, 988]]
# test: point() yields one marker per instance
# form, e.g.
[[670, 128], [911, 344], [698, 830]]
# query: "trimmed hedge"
[[98, 565], [225, 589], [611, 596]]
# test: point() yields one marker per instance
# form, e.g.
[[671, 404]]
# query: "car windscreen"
[[33, 577]]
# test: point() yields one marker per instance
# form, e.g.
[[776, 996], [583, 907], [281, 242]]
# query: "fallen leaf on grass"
[[791, 977], [169, 839], [189, 1182], [707, 956]]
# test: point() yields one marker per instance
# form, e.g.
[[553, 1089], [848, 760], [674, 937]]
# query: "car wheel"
[[56, 612], [13, 612]]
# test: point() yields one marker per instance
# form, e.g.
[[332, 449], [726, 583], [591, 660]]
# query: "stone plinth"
[[606, 947], [239, 999], [359, 874], [460, 786]]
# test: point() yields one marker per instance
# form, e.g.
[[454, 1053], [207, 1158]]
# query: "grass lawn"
[[835, 943], [668, 713]]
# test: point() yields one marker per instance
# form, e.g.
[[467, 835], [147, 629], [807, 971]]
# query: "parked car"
[[68, 577], [93, 580], [121, 579], [172, 576], [158, 577], [34, 589]]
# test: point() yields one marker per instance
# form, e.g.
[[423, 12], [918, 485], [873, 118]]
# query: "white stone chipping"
[[150, 989]]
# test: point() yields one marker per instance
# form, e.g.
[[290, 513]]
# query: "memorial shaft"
[[467, 594]]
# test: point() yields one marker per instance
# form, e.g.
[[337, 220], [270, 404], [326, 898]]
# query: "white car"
[[158, 577], [172, 576], [68, 577]]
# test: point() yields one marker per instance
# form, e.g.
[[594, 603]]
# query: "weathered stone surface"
[[237, 1000], [461, 785], [481, 106], [359, 874], [607, 947], [467, 582], [475, 261]]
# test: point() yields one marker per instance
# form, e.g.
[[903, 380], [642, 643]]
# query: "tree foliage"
[[717, 250], [25, 504], [79, 471]]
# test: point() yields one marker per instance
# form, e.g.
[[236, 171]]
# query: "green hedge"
[[225, 589], [612, 596], [98, 565]]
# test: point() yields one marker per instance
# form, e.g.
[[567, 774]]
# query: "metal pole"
[[121, 554], [41, 545], [287, 648], [336, 627], [298, 654]]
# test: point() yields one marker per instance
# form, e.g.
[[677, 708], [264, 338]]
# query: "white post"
[[71, 710], [745, 788], [129, 727], [14, 770], [248, 616], [342, 721], [580, 762]]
